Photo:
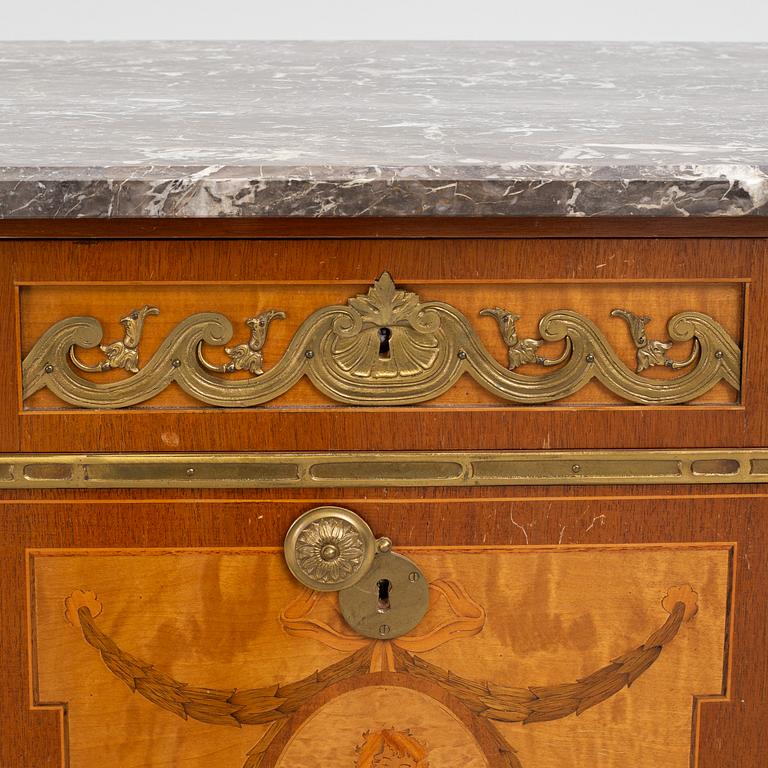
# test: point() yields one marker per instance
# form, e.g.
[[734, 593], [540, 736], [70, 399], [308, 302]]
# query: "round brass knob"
[[329, 548]]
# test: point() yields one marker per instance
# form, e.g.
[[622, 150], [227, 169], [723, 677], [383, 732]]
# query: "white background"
[[686, 20]]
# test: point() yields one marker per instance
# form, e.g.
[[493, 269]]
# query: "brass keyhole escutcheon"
[[382, 594], [392, 614]]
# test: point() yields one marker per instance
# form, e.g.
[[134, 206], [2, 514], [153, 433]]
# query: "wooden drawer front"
[[284, 338], [612, 630]]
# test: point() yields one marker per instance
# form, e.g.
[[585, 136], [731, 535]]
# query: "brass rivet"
[[176, 363], [49, 368], [384, 629], [309, 354], [329, 552], [576, 468]]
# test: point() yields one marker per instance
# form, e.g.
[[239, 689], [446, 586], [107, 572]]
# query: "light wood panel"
[[512, 618]]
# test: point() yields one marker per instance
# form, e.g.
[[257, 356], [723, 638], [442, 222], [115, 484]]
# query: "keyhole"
[[385, 334], [384, 586]]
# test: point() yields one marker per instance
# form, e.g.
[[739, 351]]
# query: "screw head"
[[590, 358], [48, 368], [190, 471], [384, 629], [462, 355], [576, 468], [176, 363], [309, 354], [719, 354], [414, 576]]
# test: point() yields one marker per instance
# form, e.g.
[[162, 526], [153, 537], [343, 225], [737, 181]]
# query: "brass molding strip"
[[376, 469], [383, 348]]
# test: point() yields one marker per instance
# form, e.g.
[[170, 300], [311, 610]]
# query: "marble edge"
[[207, 191], [511, 171]]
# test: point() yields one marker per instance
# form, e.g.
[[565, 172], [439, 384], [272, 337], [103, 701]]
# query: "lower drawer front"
[[581, 631]]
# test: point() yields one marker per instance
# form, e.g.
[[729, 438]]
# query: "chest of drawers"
[[383, 488]]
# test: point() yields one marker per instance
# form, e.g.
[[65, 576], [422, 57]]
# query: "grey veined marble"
[[382, 129]]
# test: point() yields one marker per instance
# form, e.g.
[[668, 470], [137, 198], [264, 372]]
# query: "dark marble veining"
[[382, 129]]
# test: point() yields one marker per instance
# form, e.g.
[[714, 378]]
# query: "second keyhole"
[[384, 586]]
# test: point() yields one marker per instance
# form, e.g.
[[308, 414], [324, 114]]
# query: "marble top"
[[188, 129]]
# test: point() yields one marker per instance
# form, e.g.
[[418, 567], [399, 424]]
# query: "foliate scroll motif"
[[386, 348], [246, 357], [652, 352], [488, 702], [121, 354], [521, 351]]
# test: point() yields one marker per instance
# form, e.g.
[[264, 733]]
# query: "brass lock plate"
[[389, 600]]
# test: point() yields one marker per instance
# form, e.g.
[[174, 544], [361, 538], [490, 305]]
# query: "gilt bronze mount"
[[368, 469], [383, 348]]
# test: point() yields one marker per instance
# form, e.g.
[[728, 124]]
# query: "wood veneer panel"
[[731, 732], [10, 379], [188, 610], [427, 262]]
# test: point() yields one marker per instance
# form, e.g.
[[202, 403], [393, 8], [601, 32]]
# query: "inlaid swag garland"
[[488, 702], [387, 347]]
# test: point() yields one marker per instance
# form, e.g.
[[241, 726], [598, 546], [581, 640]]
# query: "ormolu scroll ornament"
[[385, 348], [125, 353], [652, 352], [246, 357]]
